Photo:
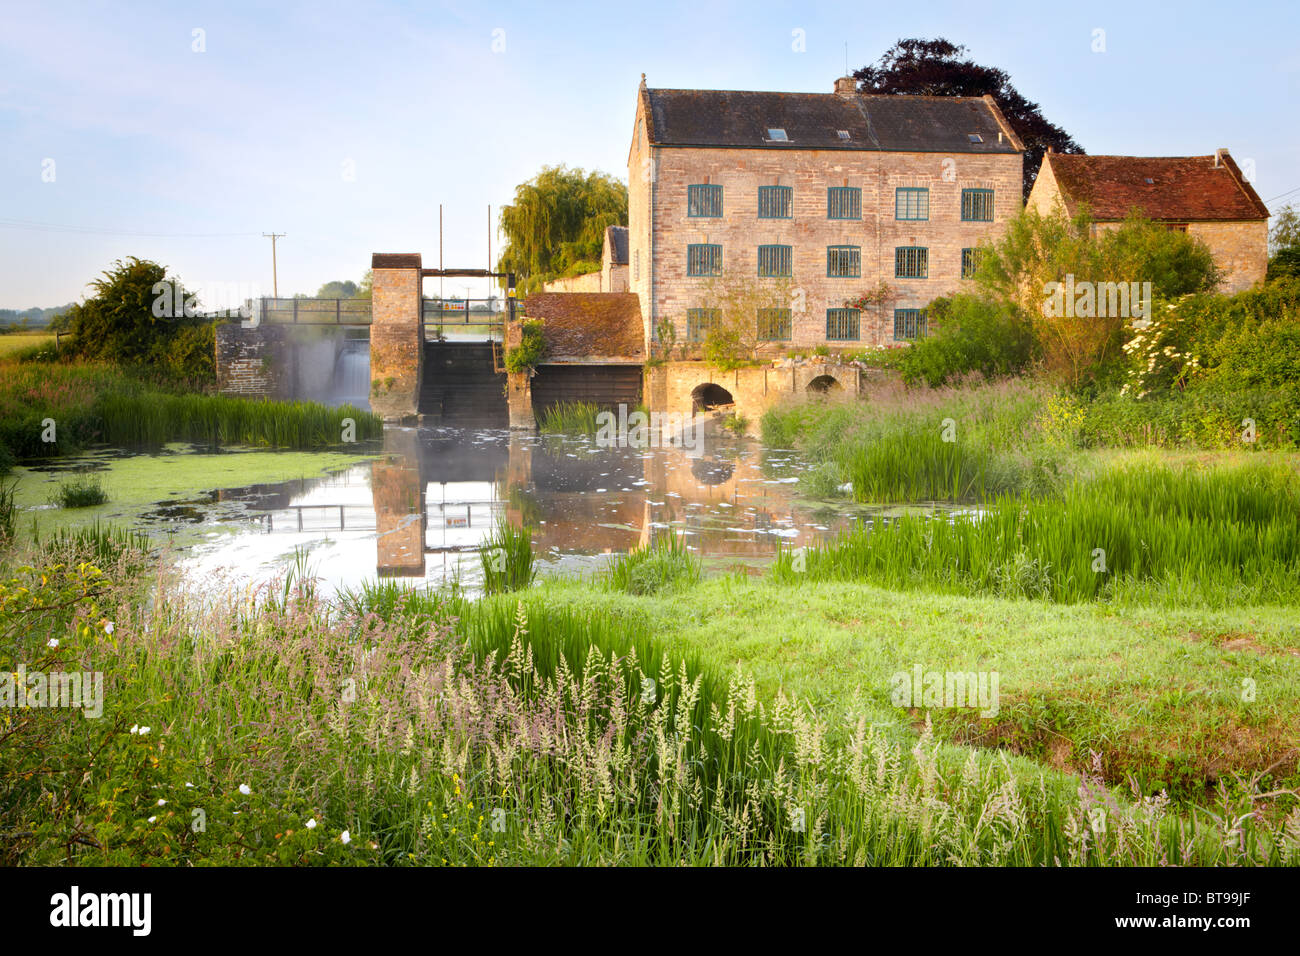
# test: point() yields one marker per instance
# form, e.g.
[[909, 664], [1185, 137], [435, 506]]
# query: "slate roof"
[[616, 237], [1165, 188], [736, 118], [587, 325]]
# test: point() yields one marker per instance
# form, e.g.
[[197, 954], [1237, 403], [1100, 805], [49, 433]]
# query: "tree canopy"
[[936, 68], [556, 225], [139, 315]]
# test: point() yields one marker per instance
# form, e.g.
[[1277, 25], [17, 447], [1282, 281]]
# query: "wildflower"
[[52, 642], [162, 803], [346, 837], [311, 824], [152, 819], [108, 627], [245, 789]]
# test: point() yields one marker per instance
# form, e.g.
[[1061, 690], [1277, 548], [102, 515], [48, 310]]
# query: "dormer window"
[[1150, 181], [975, 137], [777, 136], [844, 134]]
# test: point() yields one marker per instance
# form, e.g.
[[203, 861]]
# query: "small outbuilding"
[[1204, 196]]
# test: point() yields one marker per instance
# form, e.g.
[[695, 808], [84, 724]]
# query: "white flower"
[[143, 731], [345, 837], [162, 803], [311, 824], [152, 819], [245, 789], [108, 627], [52, 642], [189, 786]]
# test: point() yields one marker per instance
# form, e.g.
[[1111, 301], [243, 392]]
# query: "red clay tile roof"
[[742, 118], [580, 325], [1182, 188]]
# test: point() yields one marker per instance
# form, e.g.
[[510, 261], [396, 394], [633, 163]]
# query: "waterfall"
[[352, 374]]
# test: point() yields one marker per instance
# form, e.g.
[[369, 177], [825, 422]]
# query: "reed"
[[81, 491], [1218, 536], [569, 418], [152, 419], [506, 558]]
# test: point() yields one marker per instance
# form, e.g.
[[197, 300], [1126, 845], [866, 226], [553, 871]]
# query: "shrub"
[[531, 348], [969, 334], [1037, 250]]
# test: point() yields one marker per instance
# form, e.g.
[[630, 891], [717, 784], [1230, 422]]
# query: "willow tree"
[[556, 225]]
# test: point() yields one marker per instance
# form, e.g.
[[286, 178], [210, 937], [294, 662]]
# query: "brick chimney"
[[1218, 156], [846, 85]]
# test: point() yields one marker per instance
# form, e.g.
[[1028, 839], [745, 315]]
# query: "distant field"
[[16, 343]]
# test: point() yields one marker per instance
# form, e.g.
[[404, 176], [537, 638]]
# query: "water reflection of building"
[[437, 494]]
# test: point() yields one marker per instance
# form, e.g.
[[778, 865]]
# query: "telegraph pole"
[[275, 280]]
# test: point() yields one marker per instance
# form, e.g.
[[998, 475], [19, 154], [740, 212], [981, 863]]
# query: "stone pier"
[[396, 336]]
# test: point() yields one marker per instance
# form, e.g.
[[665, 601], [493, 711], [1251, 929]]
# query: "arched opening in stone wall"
[[823, 385], [709, 396]]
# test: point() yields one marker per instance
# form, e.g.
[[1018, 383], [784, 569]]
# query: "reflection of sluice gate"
[[455, 516], [295, 519]]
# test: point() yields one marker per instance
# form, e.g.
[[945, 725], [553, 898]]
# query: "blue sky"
[[187, 157]]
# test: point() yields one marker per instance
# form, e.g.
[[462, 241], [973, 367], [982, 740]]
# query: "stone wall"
[[252, 362], [1240, 249], [587, 282], [671, 387], [660, 229]]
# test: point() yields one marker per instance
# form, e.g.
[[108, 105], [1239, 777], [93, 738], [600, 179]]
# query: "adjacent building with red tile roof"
[[1204, 196]]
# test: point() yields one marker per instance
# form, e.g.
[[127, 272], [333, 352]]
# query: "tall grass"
[[101, 544], [1216, 536], [91, 402], [506, 557], [157, 418], [7, 510], [569, 418], [528, 735], [945, 444]]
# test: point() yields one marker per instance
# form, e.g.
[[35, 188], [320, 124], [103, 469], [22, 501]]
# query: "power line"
[[1280, 195], [104, 231]]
